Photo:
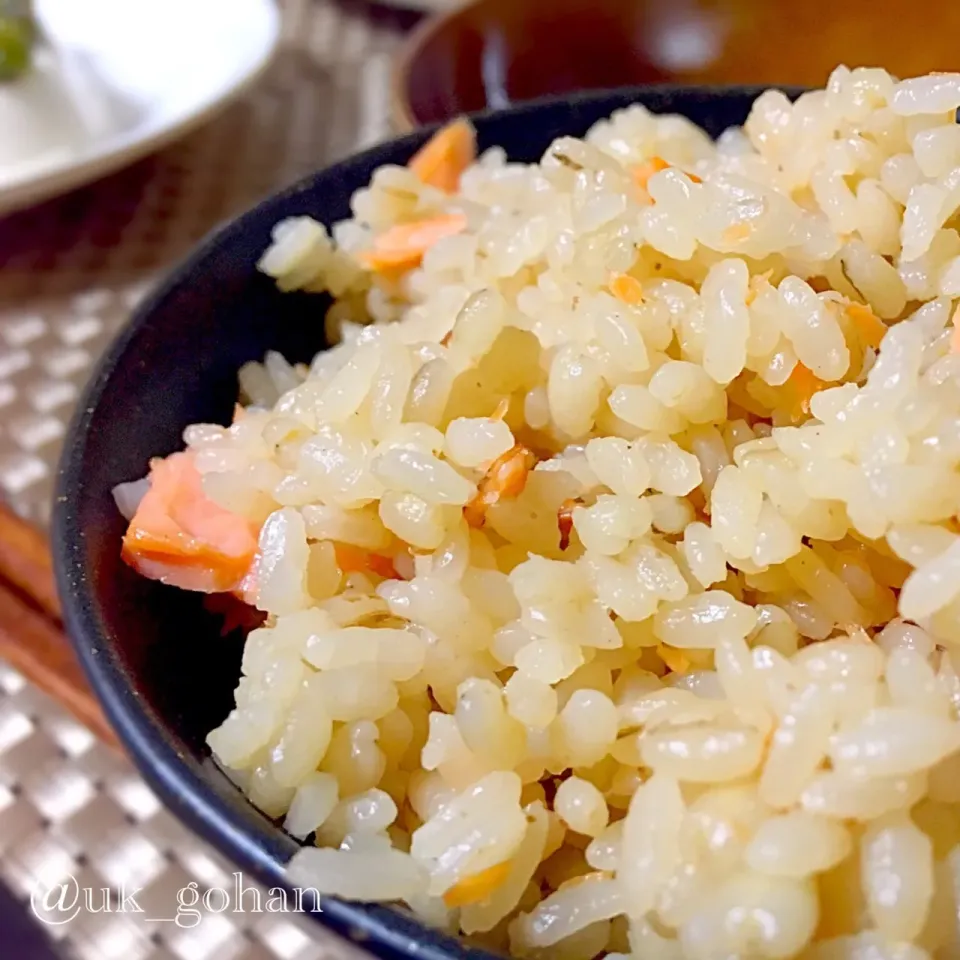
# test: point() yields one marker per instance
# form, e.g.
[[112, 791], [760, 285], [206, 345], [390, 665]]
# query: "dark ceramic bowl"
[[491, 53], [155, 659]]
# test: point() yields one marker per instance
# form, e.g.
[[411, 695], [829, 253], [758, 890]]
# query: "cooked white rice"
[[723, 723]]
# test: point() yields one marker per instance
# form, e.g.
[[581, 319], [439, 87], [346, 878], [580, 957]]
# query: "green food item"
[[16, 44]]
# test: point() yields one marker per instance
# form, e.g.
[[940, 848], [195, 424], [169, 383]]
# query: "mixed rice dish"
[[607, 569]]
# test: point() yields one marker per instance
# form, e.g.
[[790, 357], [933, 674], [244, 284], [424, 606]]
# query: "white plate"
[[120, 78]]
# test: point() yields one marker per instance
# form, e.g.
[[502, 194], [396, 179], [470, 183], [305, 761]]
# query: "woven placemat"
[[70, 271]]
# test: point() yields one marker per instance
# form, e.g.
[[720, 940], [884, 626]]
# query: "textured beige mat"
[[69, 273], [70, 270], [71, 808]]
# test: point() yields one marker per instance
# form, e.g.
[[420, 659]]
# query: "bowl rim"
[[392, 933]]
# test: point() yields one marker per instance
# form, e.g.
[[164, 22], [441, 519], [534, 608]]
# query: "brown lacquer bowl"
[[491, 53]]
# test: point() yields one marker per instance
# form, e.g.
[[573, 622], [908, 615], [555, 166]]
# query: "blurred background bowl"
[[491, 53]]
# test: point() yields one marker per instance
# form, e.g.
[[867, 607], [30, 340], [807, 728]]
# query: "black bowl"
[[155, 659]]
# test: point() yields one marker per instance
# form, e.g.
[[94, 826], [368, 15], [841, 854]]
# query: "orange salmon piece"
[[870, 327], [181, 537], [402, 247], [627, 289], [440, 162], [352, 559], [479, 886]]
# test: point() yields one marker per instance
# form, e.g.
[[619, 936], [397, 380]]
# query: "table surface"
[[70, 272]]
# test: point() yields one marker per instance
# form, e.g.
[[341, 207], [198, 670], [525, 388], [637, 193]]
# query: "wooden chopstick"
[[25, 562], [31, 633], [34, 645]]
